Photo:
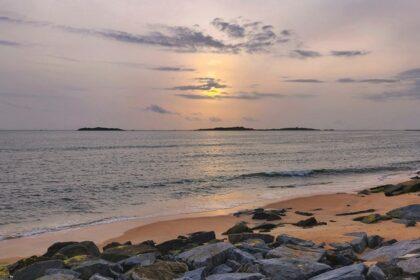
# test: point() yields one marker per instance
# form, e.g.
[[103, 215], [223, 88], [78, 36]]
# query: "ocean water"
[[54, 180]]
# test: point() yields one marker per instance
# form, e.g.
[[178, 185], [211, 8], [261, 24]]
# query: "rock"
[[390, 269], [141, 260], [241, 257], [4, 272], [90, 268], [291, 269], [173, 245], [287, 239], [196, 274], [54, 271], [253, 246], [341, 256], [76, 249], [405, 187], [209, 255], [356, 212], [201, 237], [163, 270], [359, 244], [410, 212], [58, 277], [410, 266], [375, 273], [398, 249], [220, 269], [76, 260], [25, 262], [53, 249], [389, 242], [100, 277], [236, 276], [36, 270], [265, 227], [351, 272], [309, 223], [374, 241], [269, 215], [372, 218], [240, 237], [119, 253], [302, 213], [238, 228], [115, 244], [297, 252]]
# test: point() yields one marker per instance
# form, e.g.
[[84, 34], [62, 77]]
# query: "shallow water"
[[52, 180]]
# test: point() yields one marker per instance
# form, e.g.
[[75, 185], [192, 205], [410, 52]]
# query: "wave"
[[409, 165]]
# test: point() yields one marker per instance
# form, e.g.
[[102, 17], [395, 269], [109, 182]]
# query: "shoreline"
[[168, 227]]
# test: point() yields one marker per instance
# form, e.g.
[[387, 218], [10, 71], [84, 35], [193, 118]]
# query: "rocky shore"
[[255, 247]]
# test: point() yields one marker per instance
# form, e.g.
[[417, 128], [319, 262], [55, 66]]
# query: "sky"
[[158, 64]]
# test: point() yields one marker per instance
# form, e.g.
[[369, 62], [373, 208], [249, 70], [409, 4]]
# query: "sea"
[[59, 180]]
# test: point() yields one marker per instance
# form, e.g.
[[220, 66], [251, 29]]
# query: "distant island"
[[241, 128], [98, 128]]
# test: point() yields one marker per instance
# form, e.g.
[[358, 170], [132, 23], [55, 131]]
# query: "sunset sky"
[[189, 64]]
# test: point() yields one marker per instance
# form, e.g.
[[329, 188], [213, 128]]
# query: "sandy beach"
[[324, 207]]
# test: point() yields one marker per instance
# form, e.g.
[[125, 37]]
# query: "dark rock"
[[375, 273], [209, 255], [351, 272], [173, 245], [287, 239], [201, 237], [253, 246], [54, 271], [90, 268], [25, 262], [265, 227], [53, 249], [236, 276], [223, 268], [390, 269], [76, 260], [81, 248], [389, 242], [269, 215], [359, 244], [241, 257], [297, 252], [309, 223], [196, 274], [372, 218], [119, 253], [410, 212], [99, 277], [58, 277], [341, 255], [398, 249], [302, 213], [356, 212], [374, 241], [36, 270], [291, 269], [115, 244], [240, 237], [238, 228], [163, 270]]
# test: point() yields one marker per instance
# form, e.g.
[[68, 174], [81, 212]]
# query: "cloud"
[[242, 96], [303, 54], [409, 74], [215, 119], [157, 109], [9, 43], [243, 36], [203, 84], [368, 81], [172, 69], [193, 118], [304, 81], [346, 80], [352, 53]]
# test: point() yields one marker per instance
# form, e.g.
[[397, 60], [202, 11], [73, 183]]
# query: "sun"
[[213, 92]]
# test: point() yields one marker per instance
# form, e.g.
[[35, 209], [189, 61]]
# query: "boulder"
[[291, 269], [236, 276], [36, 270], [269, 215], [359, 244], [201, 237], [410, 212], [238, 228], [173, 245], [76, 249], [341, 256], [163, 270], [371, 218], [350, 272], [374, 241], [114, 244], [61, 271], [398, 249], [53, 249], [119, 253], [142, 260], [287, 239], [76, 260], [25, 262], [220, 269], [310, 222], [297, 252], [375, 273], [265, 227], [410, 266], [58, 277], [241, 257], [240, 237], [90, 268], [209, 255], [100, 277], [253, 246], [4, 272], [196, 274]]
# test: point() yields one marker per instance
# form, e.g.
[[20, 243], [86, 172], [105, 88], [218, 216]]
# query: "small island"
[[98, 128], [241, 128]]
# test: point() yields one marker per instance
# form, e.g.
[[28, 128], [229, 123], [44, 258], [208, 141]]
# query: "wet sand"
[[219, 221]]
